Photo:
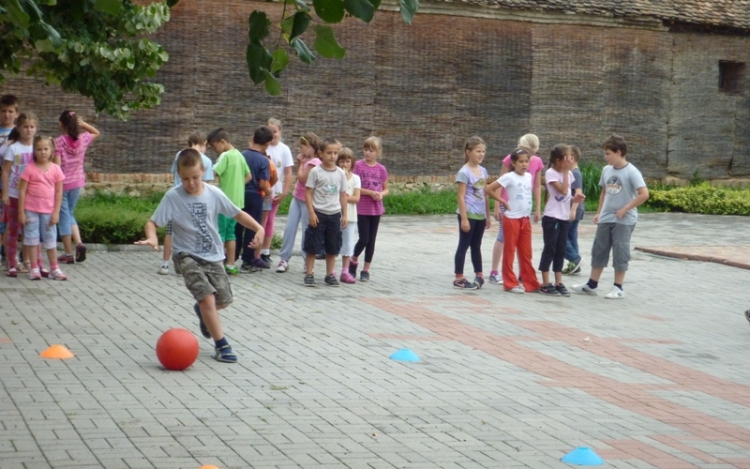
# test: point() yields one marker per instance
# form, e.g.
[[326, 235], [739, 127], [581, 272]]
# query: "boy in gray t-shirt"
[[623, 190], [193, 209]]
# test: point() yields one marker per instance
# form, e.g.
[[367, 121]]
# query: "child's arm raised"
[[251, 224], [151, 239], [304, 171], [58, 203], [22, 186], [88, 128]]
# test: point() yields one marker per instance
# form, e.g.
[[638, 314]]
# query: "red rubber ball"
[[177, 349]]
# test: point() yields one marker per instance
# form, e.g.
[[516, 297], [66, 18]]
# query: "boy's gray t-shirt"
[[327, 187], [577, 184], [622, 187], [195, 220]]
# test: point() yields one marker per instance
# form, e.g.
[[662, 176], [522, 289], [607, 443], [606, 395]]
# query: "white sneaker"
[[164, 270], [585, 288], [283, 266], [496, 279], [615, 294], [518, 289], [57, 274]]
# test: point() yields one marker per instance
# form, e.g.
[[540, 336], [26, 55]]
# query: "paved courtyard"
[[657, 380]]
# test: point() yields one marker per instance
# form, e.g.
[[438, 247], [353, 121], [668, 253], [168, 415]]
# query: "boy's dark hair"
[[13, 135], [558, 153], [576, 152], [262, 135], [218, 135], [69, 120], [9, 100], [189, 158], [196, 138], [326, 142], [616, 143]]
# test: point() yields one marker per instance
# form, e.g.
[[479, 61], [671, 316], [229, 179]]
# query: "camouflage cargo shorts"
[[204, 278]]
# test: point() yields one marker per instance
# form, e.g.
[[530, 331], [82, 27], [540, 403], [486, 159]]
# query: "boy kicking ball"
[[193, 209]]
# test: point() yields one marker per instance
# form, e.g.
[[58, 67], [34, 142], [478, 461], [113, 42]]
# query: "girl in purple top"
[[374, 178], [70, 152]]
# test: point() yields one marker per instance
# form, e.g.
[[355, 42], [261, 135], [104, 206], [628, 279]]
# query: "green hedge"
[[111, 219], [701, 198]]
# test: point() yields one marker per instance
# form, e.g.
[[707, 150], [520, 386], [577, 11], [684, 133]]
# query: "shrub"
[[701, 198], [114, 219]]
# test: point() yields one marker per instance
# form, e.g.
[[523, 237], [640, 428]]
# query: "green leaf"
[[300, 22], [330, 11], [17, 13], [272, 84], [361, 9], [303, 52], [112, 7], [375, 3], [280, 60], [326, 44], [408, 9], [30, 7], [258, 58], [260, 26]]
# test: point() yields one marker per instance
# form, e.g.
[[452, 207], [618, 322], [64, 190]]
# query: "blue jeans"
[[571, 248], [297, 214], [67, 220]]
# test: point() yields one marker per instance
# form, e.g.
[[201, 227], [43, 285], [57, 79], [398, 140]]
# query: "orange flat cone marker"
[[209, 467], [57, 351]]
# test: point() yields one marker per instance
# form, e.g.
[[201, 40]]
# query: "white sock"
[[165, 263], [267, 252], [231, 266]]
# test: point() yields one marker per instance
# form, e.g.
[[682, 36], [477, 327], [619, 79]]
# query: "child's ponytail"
[[69, 120]]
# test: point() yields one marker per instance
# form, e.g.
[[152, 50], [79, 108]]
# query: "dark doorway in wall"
[[731, 76]]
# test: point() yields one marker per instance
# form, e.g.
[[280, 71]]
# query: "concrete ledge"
[[727, 255]]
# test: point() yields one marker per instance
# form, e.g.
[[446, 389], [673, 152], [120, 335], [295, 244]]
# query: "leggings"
[[471, 239], [297, 214], [368, 231], [555, 239], [268, 228]]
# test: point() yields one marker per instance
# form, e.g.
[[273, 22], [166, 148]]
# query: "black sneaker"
[[747, 315], [80, 252], [310, 280], [549, 289], [353, 268], [479, 282], [562, 290], [331, 281], [364, 276], [225, 354], [464, 284], [248, 268], [204, 329], [260, 263], [266, 258]]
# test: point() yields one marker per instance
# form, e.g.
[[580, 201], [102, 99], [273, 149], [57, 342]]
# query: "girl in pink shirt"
[[40, 192], [370, 208], [70, 152]]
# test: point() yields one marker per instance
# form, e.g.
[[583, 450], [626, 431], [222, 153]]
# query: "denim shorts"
[[67, 219], [37, 228]]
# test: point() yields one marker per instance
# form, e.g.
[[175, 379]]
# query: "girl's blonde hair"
[[345, 153], [471, 143], [25, 117], [277, 123], [373, 143], [530, 143], [38, 139]]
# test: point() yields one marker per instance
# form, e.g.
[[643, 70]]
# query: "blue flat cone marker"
[[583, 456], [405, 355]]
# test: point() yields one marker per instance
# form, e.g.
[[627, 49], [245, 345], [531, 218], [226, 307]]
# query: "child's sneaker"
[[615, 293], [517, 289], [201, 324], [479, 282], [260, 263], [249, 268], [310, 280], [496, 279], [225, 354], [57, 274], [163, 270], [549, 289], [364, 276], [80, 252], [283, 266], [574, 267], [585, 288], [34, 274], [462, 284], [12, 272], [231, 270], [562, 290], [346, 277], [353, 268], [266, 258], [331, 281], [66, 259], [44, 272]]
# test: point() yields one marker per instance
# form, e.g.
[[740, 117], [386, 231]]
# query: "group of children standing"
[[41, 180], [204, 223], [623, 190]]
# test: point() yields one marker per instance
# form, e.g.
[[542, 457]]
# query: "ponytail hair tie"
[[72, 113]]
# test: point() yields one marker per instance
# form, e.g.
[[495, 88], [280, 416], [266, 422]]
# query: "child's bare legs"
[[620, 276], [545, 277], [52, 257], [263, 217], [71, 240], [331, 264], [497, 255], [167, 248], [210, 316], [558, 278], [345, 263], [310, 263], [596, 273]]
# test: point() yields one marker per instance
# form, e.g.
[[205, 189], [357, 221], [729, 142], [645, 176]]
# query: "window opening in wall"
[[731, 76]]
